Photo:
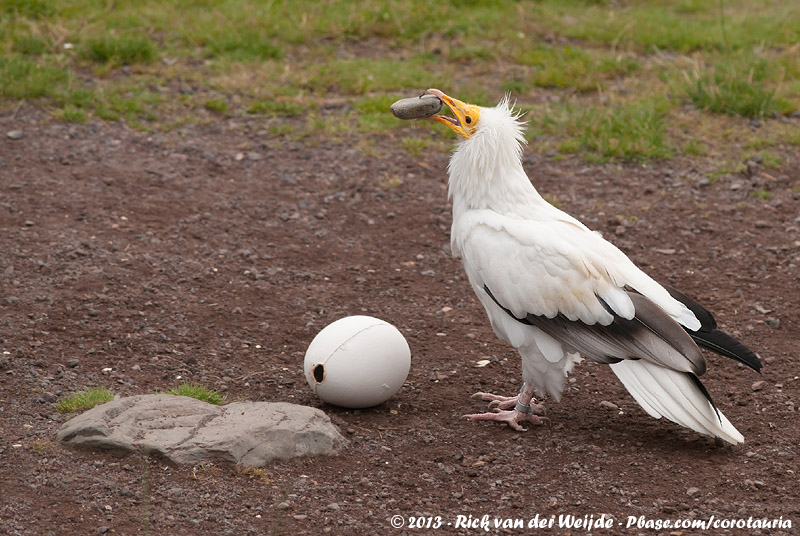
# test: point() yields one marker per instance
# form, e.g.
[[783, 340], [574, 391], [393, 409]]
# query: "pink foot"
[[501, 409], [513, 418]]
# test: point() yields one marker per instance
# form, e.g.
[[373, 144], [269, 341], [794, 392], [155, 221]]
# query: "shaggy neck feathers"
[[486, 169]]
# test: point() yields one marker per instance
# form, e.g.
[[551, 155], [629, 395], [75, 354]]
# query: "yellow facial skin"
[[465, 122]]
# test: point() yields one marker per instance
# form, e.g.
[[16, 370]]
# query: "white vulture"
[[555, 290]]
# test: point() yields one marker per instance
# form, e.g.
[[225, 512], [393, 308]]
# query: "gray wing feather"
[[651, 334]]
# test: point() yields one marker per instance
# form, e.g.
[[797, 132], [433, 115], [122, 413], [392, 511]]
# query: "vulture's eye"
[[468, 119]]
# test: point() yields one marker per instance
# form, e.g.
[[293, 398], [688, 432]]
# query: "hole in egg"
[[318, 372]]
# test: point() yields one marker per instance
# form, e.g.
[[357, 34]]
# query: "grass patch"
[[634, 131], [245, 44], [574, 67], [762, 194], [126, 49], [374, 116], [362, 75], [283, 59], [695, 148], [84, 400], [199, 392], [278, 106], [24, 78], [71, 114], [771, 160], [32, 9], [253, 473], [739, 86], [30, 45], [416, 147], [216, 105]]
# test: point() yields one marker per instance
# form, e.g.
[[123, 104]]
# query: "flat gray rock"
[[189, 431]]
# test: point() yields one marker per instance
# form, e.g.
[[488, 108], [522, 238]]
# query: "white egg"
[[357, 362]]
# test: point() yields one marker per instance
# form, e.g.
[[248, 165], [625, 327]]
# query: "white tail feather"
[[663, 392]]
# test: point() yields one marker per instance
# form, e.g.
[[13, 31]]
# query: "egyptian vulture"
[[555, 290]]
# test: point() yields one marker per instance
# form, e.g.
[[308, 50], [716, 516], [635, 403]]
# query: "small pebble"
[[334, 506], [15, 134], [691, 492], [773, 322], [72, 363], [703, 182], [609, 405], [759, 385]]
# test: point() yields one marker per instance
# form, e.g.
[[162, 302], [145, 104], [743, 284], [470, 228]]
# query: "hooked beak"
[[465, 116]]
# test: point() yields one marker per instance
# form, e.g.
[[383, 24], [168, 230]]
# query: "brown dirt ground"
[[163, 256]]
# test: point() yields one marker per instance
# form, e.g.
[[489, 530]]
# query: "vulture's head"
[[492, 137]]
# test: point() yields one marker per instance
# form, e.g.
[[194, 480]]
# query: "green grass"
[[738, 86], [199, 392], [126, 49], [84, 400], [23, 78], [277, 106], [584, 68], [246, 44], [762, 194], [574, 67], [631, 131], [216, 105]]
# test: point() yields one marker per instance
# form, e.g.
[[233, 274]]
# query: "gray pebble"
[[691, 492], [773, 322], [15, 134], [609, 405], [703, 182], [72, 363], [417, 107], [757, 386]]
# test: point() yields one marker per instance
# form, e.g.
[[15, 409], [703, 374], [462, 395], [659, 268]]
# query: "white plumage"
[[552, 288]]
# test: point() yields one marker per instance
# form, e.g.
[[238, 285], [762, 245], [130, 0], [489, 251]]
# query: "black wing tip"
[[711, 338], [723, 344]]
